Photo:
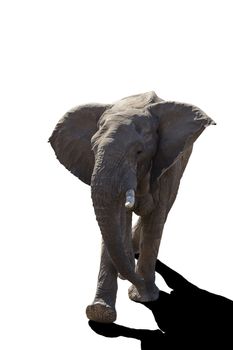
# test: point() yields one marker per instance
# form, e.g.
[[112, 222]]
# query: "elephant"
[[133, 154]]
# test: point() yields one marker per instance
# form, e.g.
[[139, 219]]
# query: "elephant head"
[[122, 150]]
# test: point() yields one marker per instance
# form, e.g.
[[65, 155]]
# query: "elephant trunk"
[[110, 195], [109, 221]]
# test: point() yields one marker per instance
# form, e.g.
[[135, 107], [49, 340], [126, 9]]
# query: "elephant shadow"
[[188, 317]]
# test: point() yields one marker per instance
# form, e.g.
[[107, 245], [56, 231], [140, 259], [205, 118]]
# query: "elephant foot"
[[101, 312], [143, 295]]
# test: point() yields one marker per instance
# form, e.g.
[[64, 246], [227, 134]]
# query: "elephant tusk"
[[130, 199]]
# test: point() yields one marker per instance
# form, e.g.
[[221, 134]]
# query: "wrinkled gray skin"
[[139, 143]]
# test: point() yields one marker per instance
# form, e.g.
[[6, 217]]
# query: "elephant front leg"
[[150, 228], [103, 307]]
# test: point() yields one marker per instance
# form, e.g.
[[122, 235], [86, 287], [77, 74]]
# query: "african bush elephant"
[[133, 154]]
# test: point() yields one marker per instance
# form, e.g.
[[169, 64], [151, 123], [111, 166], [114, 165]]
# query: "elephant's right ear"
[[71, 139]]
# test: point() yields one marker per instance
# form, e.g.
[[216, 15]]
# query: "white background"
[[55, 55]]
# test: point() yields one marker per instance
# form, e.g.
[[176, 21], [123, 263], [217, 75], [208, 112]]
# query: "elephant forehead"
[[126, 122]]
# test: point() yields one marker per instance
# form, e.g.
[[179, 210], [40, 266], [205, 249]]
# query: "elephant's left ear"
[[180, 125]]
